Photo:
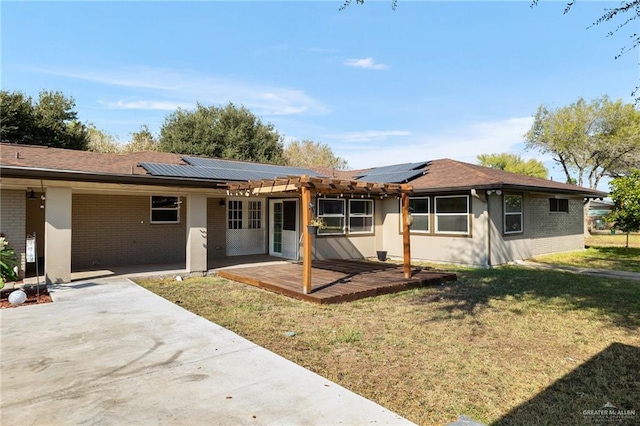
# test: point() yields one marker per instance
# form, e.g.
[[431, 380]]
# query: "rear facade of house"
[[94, 211]]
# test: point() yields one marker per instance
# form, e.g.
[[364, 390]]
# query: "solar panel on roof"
[[220, 174], [393, 177], [393, 174], [252, 167]]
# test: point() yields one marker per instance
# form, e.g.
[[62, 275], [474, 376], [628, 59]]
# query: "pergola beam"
[[309, 187], [406, 240], [306, 240]]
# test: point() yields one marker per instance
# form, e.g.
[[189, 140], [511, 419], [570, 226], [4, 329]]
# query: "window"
[[512, 214], [558, 205], [234, 214], [452, 214], [419, 209], [165, 209], [255, 214], [360, 216], [331, 211]]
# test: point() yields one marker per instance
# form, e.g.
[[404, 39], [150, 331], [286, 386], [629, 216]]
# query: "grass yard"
[[612, 240], [508, 345], [612, 258]]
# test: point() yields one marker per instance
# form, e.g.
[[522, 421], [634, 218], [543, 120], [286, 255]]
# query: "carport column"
[[196, 233], [57, 235]]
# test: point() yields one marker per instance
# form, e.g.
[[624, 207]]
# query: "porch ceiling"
[[321, 186]]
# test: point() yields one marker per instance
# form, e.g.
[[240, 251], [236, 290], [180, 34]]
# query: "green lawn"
[[508, 345], [611, 258], [615, 240]]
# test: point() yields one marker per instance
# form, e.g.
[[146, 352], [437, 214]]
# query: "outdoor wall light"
[[31, 195], [497, 192], [222, 203]]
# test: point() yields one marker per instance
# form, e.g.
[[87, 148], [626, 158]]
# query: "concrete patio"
[[109, 352]]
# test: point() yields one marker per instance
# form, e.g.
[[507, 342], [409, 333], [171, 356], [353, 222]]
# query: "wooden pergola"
[[309, 187]]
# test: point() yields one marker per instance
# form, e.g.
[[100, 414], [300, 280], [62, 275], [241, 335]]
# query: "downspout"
[[488, 213]]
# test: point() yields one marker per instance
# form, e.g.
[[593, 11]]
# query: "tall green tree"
[[514, 163], [51, 121], [625, 192], [142, 140], [589, 140], [226, 132], [308, 153]]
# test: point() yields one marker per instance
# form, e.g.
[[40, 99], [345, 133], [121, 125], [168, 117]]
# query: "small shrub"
[[8, 263]]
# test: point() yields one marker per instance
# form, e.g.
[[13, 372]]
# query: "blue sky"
[[429, 80]]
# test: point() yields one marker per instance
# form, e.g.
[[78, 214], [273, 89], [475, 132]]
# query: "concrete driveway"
[[108, 352]]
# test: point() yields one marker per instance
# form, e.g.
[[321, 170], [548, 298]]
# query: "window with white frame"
[[558, 205], [452, 214], [234, 214], [165, 209], [331, 211], [512, 214], [419, 210], [255, 214], [360, 216]]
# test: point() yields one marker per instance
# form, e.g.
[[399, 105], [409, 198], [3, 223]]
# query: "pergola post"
[[306, 240], [406, 240]]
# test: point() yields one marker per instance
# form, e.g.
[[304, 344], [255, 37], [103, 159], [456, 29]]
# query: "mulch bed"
[[32, 298]]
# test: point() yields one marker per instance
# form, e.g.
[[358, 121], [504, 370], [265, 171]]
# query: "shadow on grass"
[[603, 390], [617, 300], [624, 259]]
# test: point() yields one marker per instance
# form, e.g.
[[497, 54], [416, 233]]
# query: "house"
[[95, 210], [597, 215]]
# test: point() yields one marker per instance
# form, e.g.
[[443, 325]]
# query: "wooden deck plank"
[[335, 281]]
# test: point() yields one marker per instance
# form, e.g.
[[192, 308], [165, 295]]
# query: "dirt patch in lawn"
[[32, 296]]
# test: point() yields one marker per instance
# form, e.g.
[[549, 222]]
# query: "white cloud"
[[368, 135], [368, 63], [182, 88], [148, 105], [463, 144]]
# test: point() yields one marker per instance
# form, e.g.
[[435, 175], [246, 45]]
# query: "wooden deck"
[[335, 281]]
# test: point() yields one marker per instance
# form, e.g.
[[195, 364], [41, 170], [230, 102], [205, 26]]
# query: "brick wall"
[[216, 229], [12, 222], [112, 230], [555, 232]]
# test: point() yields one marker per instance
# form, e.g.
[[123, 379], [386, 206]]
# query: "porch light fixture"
[[222, 203], [31, 195]]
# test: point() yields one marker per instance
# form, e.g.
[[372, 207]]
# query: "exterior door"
[[284, 238]]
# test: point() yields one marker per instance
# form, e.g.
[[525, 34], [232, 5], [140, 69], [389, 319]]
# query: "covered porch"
[[335, 281]]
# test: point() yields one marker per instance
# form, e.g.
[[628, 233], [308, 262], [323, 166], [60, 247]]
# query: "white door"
[[284, 234]]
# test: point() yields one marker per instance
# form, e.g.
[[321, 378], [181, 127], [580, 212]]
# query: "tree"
[[225, 132], [100, 141], [142, 140], [625, 192], [308, 153], [52, 121], [514, 163], [589, 139]]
